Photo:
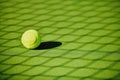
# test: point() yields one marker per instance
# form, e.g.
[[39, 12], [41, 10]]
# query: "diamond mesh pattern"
[[88, 29]]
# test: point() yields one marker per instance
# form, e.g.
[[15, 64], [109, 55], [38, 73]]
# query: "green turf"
[[88, 29]]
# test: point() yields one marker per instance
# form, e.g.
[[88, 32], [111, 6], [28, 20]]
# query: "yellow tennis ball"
[[31, 39]]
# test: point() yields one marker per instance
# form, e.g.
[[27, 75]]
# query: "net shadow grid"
[[89, 32]]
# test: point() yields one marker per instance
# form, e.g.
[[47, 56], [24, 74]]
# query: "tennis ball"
[[31, 39]]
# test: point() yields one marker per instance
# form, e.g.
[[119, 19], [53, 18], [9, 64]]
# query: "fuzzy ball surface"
[[31, 39]]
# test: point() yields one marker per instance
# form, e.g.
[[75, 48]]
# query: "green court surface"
[[89, 31]]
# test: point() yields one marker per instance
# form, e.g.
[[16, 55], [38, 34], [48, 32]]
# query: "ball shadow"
[[48, 45]]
